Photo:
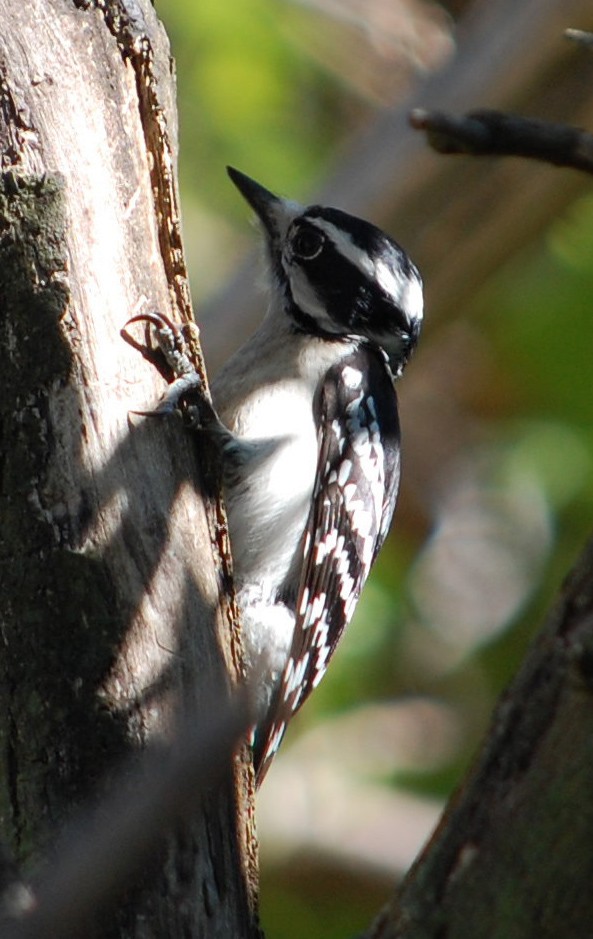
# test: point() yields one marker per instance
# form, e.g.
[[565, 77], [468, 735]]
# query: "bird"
[[304, 417]]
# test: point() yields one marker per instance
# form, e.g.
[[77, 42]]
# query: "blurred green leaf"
[[247, 97]]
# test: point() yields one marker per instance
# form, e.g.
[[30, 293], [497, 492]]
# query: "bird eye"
[[307, 243]]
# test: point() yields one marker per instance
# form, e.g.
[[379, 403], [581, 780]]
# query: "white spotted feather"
[[353, 498]]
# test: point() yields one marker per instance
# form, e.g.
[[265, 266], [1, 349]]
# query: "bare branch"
[[580, 36], [493, 133]]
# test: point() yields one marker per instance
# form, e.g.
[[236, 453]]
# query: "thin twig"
[[493, 133], [580, 36]]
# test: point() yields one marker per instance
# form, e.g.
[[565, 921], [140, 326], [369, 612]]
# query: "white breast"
[[265, 395], [268, 508]]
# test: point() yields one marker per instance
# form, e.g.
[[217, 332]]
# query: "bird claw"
[[173, 346], [170, 340]]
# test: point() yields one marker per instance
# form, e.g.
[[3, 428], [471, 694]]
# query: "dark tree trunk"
[[512, 855]]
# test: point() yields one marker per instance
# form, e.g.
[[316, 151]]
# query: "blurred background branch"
[[493, 133]]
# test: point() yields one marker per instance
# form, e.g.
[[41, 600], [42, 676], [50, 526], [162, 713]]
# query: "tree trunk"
[[511, 857], [112, 605]]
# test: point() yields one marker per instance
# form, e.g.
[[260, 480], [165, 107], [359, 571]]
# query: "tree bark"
[[112, 601], [512, 855]]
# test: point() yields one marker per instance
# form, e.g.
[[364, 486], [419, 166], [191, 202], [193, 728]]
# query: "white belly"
[[265, 396], [268, 509]]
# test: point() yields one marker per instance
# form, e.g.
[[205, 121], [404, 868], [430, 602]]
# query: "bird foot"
[[187, 387]]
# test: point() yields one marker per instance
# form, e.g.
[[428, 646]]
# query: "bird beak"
[[275, 213]]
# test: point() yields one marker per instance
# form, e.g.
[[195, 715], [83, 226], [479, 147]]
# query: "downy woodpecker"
[[306, 422]]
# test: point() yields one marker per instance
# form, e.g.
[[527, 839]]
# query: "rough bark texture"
[[110, 601], [511, 858]]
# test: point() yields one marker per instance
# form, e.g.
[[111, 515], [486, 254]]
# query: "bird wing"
[[354, 497]]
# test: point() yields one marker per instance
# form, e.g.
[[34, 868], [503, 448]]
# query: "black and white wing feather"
[[353, 502]]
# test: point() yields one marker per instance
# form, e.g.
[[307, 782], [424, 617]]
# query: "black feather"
[[353, 502]]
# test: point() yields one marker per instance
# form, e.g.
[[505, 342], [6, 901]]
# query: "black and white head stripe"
[[346, 276], [376, 255], [353, 501]]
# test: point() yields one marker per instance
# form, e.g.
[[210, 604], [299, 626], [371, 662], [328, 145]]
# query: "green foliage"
[[539, 317], [268, 113]]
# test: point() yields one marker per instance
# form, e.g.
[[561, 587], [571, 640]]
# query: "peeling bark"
[[112, 603]]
